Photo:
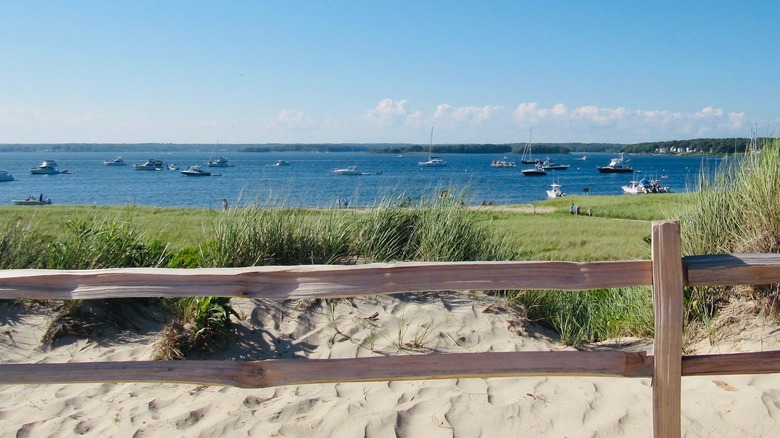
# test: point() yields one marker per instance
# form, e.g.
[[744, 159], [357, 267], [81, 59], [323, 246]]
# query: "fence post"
[[667, 346]]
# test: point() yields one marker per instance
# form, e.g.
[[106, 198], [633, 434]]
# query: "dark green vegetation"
[[718, 146]]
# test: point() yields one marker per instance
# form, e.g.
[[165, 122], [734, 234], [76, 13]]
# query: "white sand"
[[498, 407]]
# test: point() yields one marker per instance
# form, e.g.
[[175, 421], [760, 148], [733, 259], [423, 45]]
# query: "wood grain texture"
[[667, 346], [320, 281], [262, 374], [732, 269]]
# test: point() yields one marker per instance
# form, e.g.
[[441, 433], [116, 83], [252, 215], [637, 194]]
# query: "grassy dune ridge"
[[88, 237]]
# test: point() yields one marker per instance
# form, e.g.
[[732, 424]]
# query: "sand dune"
[[411, 324]]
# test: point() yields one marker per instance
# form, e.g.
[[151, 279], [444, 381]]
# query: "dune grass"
[[441, 229], [736, 211]]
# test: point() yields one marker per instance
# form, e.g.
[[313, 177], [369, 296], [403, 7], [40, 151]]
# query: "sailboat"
[[432, 161], [526, 158]]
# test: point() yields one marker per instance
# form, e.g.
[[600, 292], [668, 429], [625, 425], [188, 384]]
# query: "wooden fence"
[[668, 272]]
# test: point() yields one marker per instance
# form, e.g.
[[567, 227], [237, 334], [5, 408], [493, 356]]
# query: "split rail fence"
[[667, 272]]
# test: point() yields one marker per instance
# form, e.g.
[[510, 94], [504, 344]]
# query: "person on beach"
[[571, 208], [224, 204]]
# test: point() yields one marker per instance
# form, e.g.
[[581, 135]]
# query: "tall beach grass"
[[736, 211]]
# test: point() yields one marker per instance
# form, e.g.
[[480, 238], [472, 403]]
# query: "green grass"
[[87, 237]]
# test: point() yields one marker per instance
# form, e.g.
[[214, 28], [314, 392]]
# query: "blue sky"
[[386, 71]]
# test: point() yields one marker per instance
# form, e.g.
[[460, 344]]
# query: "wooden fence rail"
[[668, 272]]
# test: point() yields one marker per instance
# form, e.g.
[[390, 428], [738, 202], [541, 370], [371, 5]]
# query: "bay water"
[[309, 180]]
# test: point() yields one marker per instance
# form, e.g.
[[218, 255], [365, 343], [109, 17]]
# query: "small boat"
[[555, 191], [150, 164], [32, 200], [351, 170], [645, 186], [48, 167], [219, 162], [549, 165], [537, 170], [5, 176], [616, 165], [280, 163], [503, 163], [633, 188], [118, 161], [195, 171], [432, 161], [173, 167], [526, 157]]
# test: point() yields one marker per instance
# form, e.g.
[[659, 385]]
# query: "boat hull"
[[614, 170], [32, 202]]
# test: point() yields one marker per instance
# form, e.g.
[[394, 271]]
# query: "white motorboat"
[[5, 176], [616, 165], [633, 188], [537, 170], [281, 163], [547, 164], [503, 163], [48, 167], [32, 200], [351, 170], [150, 164], [118, 161], [555, 191], [645, 186], [219, 162], [195, 171], [432, 161]]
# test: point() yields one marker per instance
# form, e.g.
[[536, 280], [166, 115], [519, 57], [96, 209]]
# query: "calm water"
[[309, 181]]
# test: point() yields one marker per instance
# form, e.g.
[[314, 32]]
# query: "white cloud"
[[290, 118], [390, 113]]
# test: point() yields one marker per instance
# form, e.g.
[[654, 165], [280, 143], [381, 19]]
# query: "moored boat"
[[48, 167], [195, 171], [645, 186], [616, 165], [432, 161], [351, 170], [32, 200], [537, 170], [150, 164], [219, 162], [5, 176], [555, 191], [118, 161], [547, 164], [503, 163], [281, 163]]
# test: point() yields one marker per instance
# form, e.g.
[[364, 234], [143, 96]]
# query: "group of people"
[[575, 209]]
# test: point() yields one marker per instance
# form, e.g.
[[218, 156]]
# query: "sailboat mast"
[[430, 144]]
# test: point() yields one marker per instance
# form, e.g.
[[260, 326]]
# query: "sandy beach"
[[385, 325]]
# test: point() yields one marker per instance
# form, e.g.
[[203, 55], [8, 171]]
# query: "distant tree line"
[[718, 146], [699, 145]]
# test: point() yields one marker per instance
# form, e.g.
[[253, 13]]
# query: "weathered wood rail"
[[667, 272]]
